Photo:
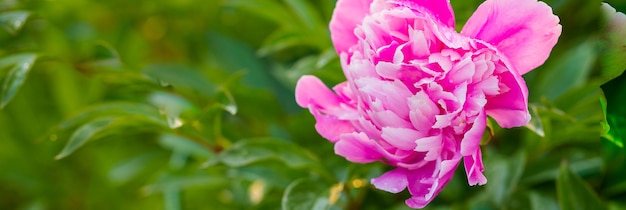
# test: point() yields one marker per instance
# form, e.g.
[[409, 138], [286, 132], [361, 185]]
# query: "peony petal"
[[311, 91], [347, 15], [424, 185], [471, 139], [401, 138], [330, 127], [474, 168], [357, 147], [510, 109], [441, 10], [524, 30], [393, 181]]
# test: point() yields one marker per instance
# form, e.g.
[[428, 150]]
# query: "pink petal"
[[311, 91], [471, 139], [424, 185], [510, 109], [474, 168], [524, 30], [401, 138], [441, 10], [330, 127], [357, 147], [347, 15], [393, 181]]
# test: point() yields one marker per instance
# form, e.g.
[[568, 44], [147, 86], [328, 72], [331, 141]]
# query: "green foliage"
[[189, 105]]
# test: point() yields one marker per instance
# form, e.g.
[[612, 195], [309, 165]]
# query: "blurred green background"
[[188, 104]]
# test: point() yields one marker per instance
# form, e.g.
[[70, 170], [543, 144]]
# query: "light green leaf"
[[16, 76], [615, 111], [269, 10], [185, 145], [535, 124], [83, 134], [129, 169], [180, 76], [574, 193], [227, 101], [539, 201], [13, 21], [306, 12], [254, 150], [182, 181], [305, 194], [613, 62], [150, 113]]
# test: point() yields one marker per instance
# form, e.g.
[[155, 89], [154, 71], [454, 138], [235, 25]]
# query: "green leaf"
[[535, 124], [131, 168], [83, 134], [613, 62], [305, 194], [269, 10], [254, 150], [504, 175], [182, 181], [13, 21], [173, 106], [567, 71], [150, 113], [306, 12], [574, 193], [180, 76], [546, 167], [615, 112], [16, 76], [539, 201], [227, 101], [185, 145]]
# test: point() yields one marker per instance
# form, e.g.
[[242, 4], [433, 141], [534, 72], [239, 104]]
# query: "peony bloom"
[[418, 93]]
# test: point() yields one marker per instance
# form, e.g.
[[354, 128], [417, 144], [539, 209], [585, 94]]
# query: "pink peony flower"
[[418, 93]]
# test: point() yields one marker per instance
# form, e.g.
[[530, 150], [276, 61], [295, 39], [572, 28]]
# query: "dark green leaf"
[[574, 193], [567, 71], [83, 134], [615, 112], [504, 175], [540, 201]]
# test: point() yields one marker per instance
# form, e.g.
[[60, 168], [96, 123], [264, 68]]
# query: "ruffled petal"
[[510, 109], [424, 185], [474, 168], [471, 139], [347, 15], [357, 147], [393, 181], [470, 149], [524, 30], [330, 126], [441, 10]]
